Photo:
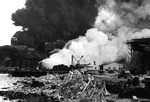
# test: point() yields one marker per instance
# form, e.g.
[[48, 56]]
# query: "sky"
[[7, 29]]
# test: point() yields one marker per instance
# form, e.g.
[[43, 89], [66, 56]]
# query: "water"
[[7, 83]]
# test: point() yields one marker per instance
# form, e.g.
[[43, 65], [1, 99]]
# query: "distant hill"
[[19, 56]]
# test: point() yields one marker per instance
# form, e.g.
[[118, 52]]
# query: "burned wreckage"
[[79, 83]]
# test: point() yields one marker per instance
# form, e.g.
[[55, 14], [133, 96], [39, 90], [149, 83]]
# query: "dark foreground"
[[21, 97]]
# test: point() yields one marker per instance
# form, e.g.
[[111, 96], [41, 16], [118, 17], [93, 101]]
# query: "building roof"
[[142, 44], [139, 41]]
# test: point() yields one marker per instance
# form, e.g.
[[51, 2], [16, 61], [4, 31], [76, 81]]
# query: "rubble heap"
[[68, 87]]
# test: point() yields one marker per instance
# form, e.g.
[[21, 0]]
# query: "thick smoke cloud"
[[117, 22], [52, 21]]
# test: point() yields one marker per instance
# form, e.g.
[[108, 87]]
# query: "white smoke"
[[106, 42], [107, 19], [144, 33]]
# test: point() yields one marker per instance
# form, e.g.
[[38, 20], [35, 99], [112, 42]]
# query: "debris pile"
[[79, 89], [75, 87], [72, 86]]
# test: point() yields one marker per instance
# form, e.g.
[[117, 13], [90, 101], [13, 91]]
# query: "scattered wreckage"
[[79, 86], [71, 86]]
